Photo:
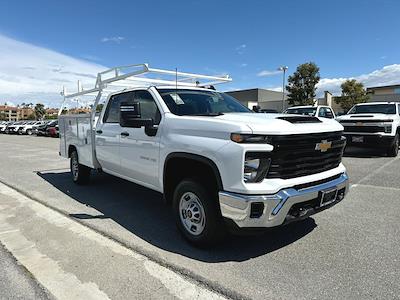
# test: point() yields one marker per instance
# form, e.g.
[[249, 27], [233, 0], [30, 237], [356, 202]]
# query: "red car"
[[53, 131]]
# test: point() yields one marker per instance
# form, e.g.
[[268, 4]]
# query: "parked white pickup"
[[374, 125], [214, 160]]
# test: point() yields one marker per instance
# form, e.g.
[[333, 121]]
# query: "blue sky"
[[347, 39]]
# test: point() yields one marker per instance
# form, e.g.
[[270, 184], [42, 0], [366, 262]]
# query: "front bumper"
[[369, 140], [283, 207]]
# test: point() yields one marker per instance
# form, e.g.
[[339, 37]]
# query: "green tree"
[[31, 117], [301, 84], [99, 107], [353, 92], [39, 111]]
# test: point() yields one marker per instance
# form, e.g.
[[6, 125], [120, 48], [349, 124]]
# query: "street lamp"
[[283, 69]]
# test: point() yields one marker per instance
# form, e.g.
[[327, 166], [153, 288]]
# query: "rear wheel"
[[29, 131], [80, 173], [394, 148], [197, 213]]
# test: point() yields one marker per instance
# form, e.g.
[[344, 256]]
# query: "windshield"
[[197, 102], [388, 109], [307, 111]]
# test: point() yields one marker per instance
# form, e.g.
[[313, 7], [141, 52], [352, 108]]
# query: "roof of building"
[[254, 90], [394, 86]]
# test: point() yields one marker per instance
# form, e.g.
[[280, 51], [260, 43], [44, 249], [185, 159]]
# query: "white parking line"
[[377, 170], [376, 187]]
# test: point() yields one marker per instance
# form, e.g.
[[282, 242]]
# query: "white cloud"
[[31, 73], [114, 39], [276, 89], [265, 73], [240, 49], [386, 76], [243, 65]]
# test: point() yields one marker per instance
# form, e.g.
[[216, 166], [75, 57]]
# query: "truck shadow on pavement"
[[143, 212]]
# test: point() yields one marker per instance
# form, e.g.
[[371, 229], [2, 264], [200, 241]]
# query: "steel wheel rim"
[[191, 213], [74, 167]]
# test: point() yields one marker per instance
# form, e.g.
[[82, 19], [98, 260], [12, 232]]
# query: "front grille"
[[369, 129], [296, 155]]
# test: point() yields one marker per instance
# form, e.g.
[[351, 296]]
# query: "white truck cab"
[[217, 163], [373, 124], [321, 111]]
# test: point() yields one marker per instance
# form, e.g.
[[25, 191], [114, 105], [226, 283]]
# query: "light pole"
[[283, 69]]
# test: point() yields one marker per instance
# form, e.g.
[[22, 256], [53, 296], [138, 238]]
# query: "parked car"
[[320, 111], [3, 126], [217, 163], [53, 131], [375, 125], [14, 127], [41, 130], [28, 127]]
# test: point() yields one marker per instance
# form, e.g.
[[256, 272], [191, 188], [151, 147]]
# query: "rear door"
[[108, 133], [139, 149]]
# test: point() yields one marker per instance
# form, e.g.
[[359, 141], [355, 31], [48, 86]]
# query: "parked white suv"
[[321, 111], [28, 128], [214, 160], [375, 124]]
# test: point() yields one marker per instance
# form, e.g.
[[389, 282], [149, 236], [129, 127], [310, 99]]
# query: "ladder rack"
[[140, 75]]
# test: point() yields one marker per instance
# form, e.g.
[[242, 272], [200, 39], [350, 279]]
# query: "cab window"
[[329, 113], [112, 113], [148, 106]]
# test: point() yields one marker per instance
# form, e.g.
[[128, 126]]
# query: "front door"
[[139, 148], [108, 132]]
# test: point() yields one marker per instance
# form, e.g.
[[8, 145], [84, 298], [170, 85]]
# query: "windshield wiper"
[[211, 114]]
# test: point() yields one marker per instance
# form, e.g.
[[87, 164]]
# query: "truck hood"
[[261, 123], [359, 117]]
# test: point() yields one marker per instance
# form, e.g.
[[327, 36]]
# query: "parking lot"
[[349, 251]]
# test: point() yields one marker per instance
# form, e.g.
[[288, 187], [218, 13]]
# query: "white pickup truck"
[[217, 163], [374, 124]]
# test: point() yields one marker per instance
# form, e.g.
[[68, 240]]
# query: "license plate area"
[[357, 139], [328, 196]]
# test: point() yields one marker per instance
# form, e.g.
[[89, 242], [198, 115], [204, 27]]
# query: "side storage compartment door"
[[140, 148], [107, 137]]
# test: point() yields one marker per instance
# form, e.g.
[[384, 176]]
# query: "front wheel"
[[394, 148], [80, 173], [197, 213], [29, 131]]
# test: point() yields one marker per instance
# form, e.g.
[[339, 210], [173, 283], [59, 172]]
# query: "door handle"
[[124, 133], [99, 131]]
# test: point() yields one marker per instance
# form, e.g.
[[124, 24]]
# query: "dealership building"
[[267, 99]]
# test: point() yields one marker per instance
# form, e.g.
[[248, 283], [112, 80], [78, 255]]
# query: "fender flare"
[[198, 158]]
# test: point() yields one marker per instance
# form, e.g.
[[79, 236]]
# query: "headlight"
[[250, 138], [256, 166], [388, 128]]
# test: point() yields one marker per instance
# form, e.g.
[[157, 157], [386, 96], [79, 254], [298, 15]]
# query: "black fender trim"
[[198, 158]]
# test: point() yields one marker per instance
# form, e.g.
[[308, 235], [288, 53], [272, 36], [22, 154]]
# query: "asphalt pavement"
[[349, 251], [16, 282]]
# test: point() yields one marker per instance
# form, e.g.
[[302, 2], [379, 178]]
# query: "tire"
[[394, 148], [197, 213], [29, 131], [80, 173]]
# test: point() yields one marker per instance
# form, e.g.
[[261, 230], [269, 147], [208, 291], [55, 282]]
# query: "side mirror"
[[130, 116]]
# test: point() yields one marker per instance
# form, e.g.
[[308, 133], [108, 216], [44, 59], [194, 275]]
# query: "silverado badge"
[[323, 146]]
